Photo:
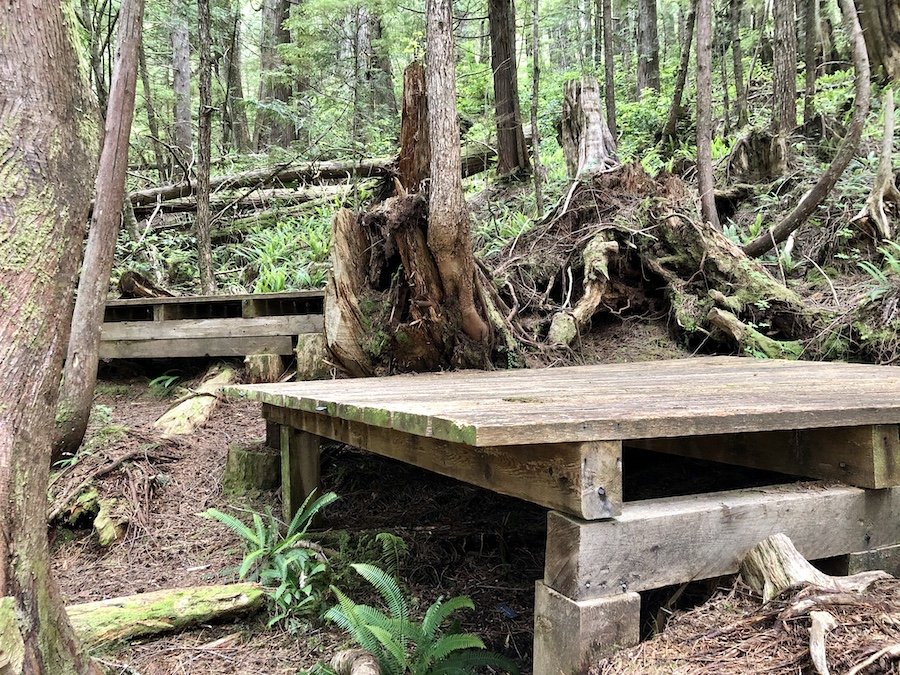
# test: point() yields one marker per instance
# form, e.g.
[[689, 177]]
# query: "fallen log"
[[135, 285], [255, 200], [193, 410], [106, 621]]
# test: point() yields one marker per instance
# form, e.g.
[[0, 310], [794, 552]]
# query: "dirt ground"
[[462, 541]]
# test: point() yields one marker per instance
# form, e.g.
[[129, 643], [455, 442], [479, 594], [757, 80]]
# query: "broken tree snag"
[[757, 157], [884, 189], [775, 565], [135, 285], [193, 410], [587, 142], [567, 325], [107, 621], [263, 368], [847, 150], [415, 155], [355, 662]]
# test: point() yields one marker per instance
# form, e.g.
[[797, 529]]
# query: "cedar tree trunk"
[[76, 392], [512, 153], [47, 162], [784, 113], [608, 73], [648, 47], [271, 127], [704, 113], [181, 82], [204, 150]]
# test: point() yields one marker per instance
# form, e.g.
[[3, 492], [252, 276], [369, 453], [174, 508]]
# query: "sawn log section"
[[554, 436]]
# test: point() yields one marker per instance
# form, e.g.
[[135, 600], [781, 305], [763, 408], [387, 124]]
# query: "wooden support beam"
[[886, 558], [220, 346], [584, 479], [660, 542], [300, 472], [569, 635], [212, 328], [865, 456]]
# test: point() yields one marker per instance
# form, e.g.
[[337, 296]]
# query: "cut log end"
[[355, 662]]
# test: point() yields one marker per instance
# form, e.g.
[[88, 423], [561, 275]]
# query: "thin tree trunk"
[[448, 216], [381, 74], [845, 153], [535, 91], [726, 103], [880, 20], [687, 36], [512, 153], [737, 57], [704, 113], [234, 91], [784, 117], [812, 47], [598, 34], [152, 121], [181, 82], [609, 83], [204, 148], [48, 157], [77, 389], [648, 47]]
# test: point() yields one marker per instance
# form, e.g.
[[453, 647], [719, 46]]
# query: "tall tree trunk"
[[152, 119], [272, 127], [784, 114], [380, 72], [77, 389], [181, 81], [89, 19], [687, 36], [598, 34], [845, 152], [812, 48], [535, 99], [47, 160], [512, 153], [448, 216], [204, 150], [737, 58], [234, 111], [609, 82], [648, 47], [704, 113], [880, 21], [723, 74]]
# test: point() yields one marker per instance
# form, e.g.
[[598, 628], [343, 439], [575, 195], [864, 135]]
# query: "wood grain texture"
[[211, 328], [867, 456], [213, 299], [219, 346], [583, 479], [300, 472], [570, 635], [661, 399], [659, 542]]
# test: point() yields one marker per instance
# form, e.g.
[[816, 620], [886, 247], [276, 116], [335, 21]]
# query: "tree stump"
[[250, 470], [312, 357], [263, 368], [587, 142]]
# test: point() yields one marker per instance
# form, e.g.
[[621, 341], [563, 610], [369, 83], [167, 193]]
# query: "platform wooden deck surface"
[[660, 399]]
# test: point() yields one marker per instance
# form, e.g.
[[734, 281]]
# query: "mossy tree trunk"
[[48, 150]]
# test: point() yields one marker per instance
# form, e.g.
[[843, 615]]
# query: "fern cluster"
[[402, 645]]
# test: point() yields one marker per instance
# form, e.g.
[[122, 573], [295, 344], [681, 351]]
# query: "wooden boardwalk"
[[555, 437], [219, 325]]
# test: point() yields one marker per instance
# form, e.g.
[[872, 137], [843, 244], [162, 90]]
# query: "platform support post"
[[300, 472], [570, 634]]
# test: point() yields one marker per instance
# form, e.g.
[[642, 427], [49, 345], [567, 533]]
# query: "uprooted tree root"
[[622, 242]]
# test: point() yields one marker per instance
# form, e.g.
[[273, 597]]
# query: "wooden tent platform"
[[555, 437], [218, 325]]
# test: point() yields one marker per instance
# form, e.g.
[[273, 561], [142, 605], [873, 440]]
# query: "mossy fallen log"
[[193, 410]]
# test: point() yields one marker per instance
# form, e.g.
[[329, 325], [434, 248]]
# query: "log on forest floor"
[[192, 411]]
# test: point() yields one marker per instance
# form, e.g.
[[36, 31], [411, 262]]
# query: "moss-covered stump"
[[111, 522], [312, 357], [107, 621], [250, 470], [261, 368]]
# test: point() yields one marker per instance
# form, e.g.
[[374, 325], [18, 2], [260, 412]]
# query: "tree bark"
[[884, 189], [737, 57], [152, 118], [587, 142], [448, 216], [880, 21], [609, 81], [272, 127], [687, 36], [705, 183], [812, 49], [380, 74], [535, 91], [648, 47], [77, 389], [512, 154], [414, 163], [181, 81], [845, 153], [784, 114], [47, 162], [204, 151], [234, 111]]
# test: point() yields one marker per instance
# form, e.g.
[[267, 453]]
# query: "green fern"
[[403, 646], [393, 551]]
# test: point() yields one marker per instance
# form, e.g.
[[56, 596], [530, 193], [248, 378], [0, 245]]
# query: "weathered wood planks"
[[659, 542], [583, 479], [688, 397]]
